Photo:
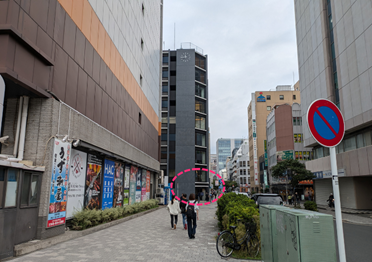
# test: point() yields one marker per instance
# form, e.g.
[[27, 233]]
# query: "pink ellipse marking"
[[196, 169]]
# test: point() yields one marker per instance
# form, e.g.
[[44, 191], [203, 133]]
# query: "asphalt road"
[[358, 242]]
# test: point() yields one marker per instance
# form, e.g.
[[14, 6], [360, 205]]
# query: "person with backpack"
[[183, 211], [192, 212], [174, 209]]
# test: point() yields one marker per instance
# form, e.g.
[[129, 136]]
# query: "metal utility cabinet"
[[296, 235]]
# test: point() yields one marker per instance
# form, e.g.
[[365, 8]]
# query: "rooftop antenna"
[[174, 36]]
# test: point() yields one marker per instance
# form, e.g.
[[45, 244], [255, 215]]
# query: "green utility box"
[[305, 236], [269, 243], [296, 235]]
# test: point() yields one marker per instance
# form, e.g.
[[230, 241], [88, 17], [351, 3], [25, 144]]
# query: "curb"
[[34, 245]]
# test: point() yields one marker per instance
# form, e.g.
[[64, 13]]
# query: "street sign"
[[325, 122], [327, 126]]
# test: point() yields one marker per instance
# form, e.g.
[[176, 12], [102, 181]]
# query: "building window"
[[350, 143], [164, 104], [9, 180], [173, 58], [165, 59], [200, 122], [200, 61], [165, 73], [173, 88], [199, 139], [172, 103], [268, 108], [297, 138], [29, 192], [163, 135], [281, 97], [200, 106], [200, 90], [139, 118], [200, 76], [268, 97], [200, 157], [173, 73], [200, 176], [294, 97], [165, 88]]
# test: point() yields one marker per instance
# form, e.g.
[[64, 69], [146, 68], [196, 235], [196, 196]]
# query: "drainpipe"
[[18, 127], [22, 137]]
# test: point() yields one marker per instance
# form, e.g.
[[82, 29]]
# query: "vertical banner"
[[118, 185], [265, 148], [126, 185], [138, 185], [93, 182], [108, 184], [76, 183], [59, 179], [148, 177], [133, 179], [143, 186]]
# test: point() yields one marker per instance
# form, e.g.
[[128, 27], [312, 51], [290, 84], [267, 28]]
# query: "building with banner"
[[80, 99], [258, 110], [334, 58], [184, 114], [284, 131]]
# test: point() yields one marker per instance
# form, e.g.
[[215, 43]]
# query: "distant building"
[[258, 110], [241, 172], [224, 148], [285, 141], [184, 110]]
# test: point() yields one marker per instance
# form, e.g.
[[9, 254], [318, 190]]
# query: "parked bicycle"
[[227, 242]]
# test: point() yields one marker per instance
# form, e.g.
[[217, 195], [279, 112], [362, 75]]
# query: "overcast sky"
[[251, 46]]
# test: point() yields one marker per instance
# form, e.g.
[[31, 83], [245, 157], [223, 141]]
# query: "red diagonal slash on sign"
[[325, 121]]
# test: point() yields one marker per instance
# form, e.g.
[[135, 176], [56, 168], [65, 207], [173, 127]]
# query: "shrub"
[[89, 218], [311, 205]]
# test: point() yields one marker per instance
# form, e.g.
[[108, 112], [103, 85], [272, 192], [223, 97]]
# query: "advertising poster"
[[138, 185], [118, 185], [143, 186], [93, 183], [295, 138], [148, 178], [58, 187], [300, 155], [126, 185], [284, 155], [299, 138], [296, 155], [307, 155], [132, 185], [76, 183], [108, 184]]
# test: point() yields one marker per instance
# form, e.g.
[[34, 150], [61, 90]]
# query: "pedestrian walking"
[[310, 195], [192, 211], [290, 199], [174, 209], [183, 211]]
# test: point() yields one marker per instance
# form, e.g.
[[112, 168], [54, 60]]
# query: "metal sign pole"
[[336, 195]]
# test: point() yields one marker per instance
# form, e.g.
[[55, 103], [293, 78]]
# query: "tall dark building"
[[184, 128]]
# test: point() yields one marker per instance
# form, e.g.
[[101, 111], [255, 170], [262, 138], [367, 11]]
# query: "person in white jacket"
[[174, 209]]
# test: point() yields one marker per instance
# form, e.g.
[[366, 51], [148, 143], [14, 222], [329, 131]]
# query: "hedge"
[[89, 218], [311, 205]]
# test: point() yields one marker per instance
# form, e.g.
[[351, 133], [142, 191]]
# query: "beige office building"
[[334, 42], [260, 106]]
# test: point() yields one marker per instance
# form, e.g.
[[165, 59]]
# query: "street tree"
[[230, 185], [298, 171]]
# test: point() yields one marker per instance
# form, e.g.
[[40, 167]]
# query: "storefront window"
[[11, 188], [29, 189], [2, 184]]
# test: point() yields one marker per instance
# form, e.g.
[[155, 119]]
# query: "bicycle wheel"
[[225, 244], [253, 247]]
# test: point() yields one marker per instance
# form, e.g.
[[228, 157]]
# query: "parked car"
[[267, 199], [243, 193]]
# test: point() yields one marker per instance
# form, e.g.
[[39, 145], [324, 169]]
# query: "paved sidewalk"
[[146, 238]]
